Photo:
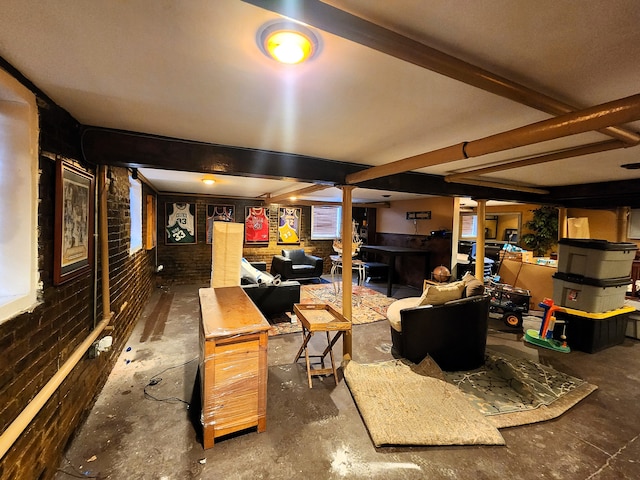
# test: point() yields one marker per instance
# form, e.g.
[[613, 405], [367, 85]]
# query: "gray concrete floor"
[[318, 433]]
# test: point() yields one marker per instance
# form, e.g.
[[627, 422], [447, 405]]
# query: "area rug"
[[406, 404], [400, 406], [518, 391], [368, 306]]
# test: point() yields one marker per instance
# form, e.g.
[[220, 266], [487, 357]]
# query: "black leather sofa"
[[296, 265], [453, 334]]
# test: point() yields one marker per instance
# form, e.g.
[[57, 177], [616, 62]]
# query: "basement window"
[[18, 198], [135, 215], [325, 222]]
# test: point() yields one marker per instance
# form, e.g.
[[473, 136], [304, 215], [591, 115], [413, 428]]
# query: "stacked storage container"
[[591, 284]]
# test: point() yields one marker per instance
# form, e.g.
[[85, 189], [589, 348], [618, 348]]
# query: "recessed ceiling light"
[[208, 180], [287, 42]]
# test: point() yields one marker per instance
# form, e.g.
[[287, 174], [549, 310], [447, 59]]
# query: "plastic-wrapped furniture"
[[454, 334], [296, 265]]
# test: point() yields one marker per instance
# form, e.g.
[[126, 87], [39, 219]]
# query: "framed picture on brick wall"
[[256, 225], [73, 242], [218, 213], [289, 225], [180, 223]]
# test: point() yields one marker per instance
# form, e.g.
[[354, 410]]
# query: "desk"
[[393, 252], [233, 363], [320, 318]]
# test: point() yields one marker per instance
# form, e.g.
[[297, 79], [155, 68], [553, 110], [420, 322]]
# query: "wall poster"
[[289, 225], [218, 213], [73, 242], [180, 223], [256, 225]]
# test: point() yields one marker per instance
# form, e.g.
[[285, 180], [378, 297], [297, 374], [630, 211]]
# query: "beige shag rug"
[[406, 404], [400, 406]]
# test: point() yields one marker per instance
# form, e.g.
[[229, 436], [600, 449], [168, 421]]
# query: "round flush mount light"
[[208, 180], [288, 42]]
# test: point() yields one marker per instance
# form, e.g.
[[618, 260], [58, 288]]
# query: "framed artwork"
[[289, 225], [256, 225], [218, 213], [73, 243], [180, 223]]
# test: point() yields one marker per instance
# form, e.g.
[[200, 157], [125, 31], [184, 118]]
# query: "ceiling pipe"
[[611, 113], [568, 153], [356, 29]]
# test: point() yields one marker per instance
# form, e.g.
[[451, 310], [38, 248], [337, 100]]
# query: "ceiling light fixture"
[[287, 42], [208, 180]]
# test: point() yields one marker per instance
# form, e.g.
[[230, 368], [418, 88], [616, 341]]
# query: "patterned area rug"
[[402, 403], [368, 306]]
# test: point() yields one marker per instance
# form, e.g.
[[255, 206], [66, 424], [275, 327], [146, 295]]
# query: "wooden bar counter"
[[233, 363]]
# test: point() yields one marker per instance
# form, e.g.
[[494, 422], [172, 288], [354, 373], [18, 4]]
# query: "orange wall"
[[393, 219]]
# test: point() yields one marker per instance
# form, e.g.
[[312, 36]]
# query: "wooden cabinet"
[[233, 363]]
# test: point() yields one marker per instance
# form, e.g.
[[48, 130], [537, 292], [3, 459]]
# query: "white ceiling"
[[192, 70]]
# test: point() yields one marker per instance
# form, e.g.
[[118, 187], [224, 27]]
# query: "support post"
[[480, 238]]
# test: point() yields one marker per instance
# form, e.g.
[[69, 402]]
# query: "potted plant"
[[543, 230]]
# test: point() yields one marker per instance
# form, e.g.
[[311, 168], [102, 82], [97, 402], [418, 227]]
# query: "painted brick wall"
[[34, 345], [191, 264]]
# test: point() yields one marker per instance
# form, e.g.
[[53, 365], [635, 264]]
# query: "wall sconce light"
[[287, 42]]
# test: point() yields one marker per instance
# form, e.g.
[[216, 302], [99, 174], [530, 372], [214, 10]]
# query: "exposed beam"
[[296, 193], [353, 28], [618, 111], [516, 188]]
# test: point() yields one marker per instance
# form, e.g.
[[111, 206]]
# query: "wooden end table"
[[320, 318]]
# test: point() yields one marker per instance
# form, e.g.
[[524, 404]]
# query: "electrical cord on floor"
[[156, 379], [77, 473]]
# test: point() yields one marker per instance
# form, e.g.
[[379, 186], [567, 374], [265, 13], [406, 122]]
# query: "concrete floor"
[[318, 433]]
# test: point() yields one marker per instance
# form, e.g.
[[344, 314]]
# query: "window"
[[469, 226], [325, 222], [18, 198], [135, 215]]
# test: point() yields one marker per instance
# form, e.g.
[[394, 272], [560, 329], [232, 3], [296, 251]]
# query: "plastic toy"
[[544, 337]]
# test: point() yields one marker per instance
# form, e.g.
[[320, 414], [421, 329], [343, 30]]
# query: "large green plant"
[[544, 230]]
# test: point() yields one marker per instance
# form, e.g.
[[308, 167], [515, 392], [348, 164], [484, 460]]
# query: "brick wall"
[[34, 345], [191, 264]]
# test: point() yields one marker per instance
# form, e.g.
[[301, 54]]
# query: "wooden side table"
[[233, 363], [320, 318]]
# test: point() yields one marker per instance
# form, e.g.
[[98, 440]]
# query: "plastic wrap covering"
[[256, 276], [233, 363]]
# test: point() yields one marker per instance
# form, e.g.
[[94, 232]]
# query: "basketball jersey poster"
[[256, 225], [218, 213], [289, 225], [180, 223]]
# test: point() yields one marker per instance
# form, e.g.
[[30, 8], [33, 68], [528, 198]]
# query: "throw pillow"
[[473, 286], [440, 294]]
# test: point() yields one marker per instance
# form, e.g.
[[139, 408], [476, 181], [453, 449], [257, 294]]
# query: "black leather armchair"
[[453, 334], [296, 265]]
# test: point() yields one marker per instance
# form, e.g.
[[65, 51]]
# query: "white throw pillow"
[[393, 311]]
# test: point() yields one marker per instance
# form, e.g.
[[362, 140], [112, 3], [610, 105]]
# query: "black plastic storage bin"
[[592, 332]]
